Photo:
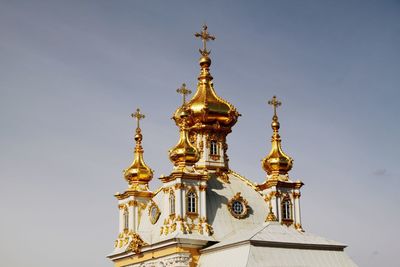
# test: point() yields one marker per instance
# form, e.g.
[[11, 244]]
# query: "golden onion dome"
[[138, 174], [206, 107], [276, 162], [184, 153]]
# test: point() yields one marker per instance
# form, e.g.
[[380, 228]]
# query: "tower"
[[282, 194]]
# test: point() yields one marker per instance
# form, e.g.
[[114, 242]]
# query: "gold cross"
[[205, 37], [275, 103], [138, 116], [183, 91]]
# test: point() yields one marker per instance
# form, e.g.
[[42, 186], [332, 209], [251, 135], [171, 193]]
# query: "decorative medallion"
[[238, 206], [154, 213]]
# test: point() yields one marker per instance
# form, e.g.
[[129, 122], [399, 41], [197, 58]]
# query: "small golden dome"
[[184, 153], [276, 162], [138, 173]]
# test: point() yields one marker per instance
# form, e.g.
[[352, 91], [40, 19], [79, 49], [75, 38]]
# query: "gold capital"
[[205, 37], [183, 90]]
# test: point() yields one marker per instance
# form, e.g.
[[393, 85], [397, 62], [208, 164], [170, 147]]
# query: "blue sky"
[[71, 73]]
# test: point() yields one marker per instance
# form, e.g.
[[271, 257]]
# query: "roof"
[[276, 234], [273, 244]]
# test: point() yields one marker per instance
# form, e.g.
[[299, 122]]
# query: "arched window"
[[191, 202], [126, 219], [286, 209], [171, 203], [213, 148]]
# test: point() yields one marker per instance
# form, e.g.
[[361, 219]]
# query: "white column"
[[121, 220], [203, 210], [132, 217], [178, 199], [166, 202], [278, 208], [297, 208]]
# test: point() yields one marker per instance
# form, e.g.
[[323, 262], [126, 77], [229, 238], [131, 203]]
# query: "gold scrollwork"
[[136, 243]]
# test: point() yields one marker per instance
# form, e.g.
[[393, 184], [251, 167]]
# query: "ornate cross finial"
[[205, 37], [275, 103], [138, 116], [183, 91]]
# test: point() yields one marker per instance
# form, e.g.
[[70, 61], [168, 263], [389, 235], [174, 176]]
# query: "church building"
[[206, 214]]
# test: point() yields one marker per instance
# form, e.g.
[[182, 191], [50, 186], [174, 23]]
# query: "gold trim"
[[130, 193], [179, 186], [296, 194], [244, 179], [133, 203]]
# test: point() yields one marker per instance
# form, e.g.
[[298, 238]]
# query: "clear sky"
[[72, 72]]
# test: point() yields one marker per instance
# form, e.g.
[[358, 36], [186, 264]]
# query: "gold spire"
[[138, 174], [206, 108], [184, 153], [277, 163]]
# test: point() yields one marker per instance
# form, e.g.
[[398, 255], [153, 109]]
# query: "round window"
[[237, 207]]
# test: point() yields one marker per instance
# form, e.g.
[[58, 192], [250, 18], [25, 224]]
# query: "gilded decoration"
[[186, 225], [154, 212], [138, 174], [136, 243], [271, 216], [206, 108], [296, 194], [203, 187], [184, 153], [299, 227], [179, 186], [238, 206], [222, 176], [277, 164], [244, 179], [131, 240], [133, 203]]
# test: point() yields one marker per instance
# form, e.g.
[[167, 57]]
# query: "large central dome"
[[206, 108]]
